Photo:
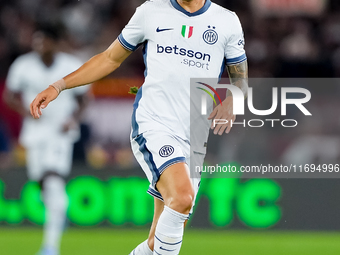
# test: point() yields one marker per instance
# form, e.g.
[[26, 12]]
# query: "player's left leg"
[[159, 207], [178, 193], [178, 189], [150, 151], [56, 201]]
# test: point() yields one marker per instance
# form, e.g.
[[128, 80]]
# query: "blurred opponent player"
[[182, 39], [49, 140]]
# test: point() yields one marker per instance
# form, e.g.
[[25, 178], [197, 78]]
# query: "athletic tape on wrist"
[[59, 85]]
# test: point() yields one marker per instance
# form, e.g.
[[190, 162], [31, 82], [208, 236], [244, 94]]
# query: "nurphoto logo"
[[239, 104]]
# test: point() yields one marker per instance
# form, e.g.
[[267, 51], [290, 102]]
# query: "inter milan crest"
[[166, 151], [210, 36], [187, 31]]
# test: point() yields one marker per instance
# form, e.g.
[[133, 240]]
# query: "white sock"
[[142, 249], [169, 232], [55, 200]]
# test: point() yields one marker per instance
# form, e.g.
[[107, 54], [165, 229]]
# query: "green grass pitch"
[[105, 241]]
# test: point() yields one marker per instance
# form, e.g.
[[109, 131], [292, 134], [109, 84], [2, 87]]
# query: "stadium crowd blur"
[[276, 46]]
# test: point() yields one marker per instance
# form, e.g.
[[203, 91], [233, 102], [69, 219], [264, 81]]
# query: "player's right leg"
[[48, 163], [146, 247]]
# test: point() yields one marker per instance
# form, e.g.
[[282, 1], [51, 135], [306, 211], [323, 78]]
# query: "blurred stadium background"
[[110, 211]]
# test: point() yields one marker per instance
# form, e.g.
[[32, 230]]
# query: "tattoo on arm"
[[238, 75]]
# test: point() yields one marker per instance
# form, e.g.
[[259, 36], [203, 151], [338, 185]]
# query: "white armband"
[[59, 85]]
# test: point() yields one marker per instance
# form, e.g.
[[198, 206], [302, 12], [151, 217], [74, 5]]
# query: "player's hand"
[[69, 125], [223, 115], [42, 100]]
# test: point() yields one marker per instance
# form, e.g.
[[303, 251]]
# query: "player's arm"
[[238, 75], [13, 100], [96, 68], [82, 101]]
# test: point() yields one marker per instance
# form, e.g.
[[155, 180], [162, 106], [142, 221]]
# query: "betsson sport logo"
[[191, 58], [238, 105], [195, 59]]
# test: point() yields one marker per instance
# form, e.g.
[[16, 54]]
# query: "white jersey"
[[178, 45], [29, 76]]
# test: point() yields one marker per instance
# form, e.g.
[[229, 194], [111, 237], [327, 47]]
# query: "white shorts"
[[157, 150], [50, 155]]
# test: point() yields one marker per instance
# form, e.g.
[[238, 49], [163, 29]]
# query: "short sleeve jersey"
[[29, 76], [178, 45]]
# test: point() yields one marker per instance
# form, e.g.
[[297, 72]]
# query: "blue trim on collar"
[[205, 7]]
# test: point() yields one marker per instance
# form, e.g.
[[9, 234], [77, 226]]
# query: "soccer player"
[[49, 140], [182, 39]]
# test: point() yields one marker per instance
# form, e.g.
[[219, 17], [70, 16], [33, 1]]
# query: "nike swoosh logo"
[[165, 249], [164, 29]]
